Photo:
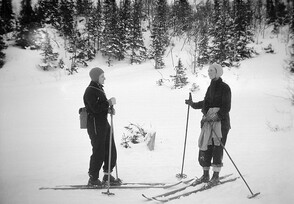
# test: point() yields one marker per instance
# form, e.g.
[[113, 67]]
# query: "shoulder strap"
[[102, 91], [97, 89]]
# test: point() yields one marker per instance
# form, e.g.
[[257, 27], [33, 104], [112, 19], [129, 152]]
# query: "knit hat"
[[218, 68], [95, 73]]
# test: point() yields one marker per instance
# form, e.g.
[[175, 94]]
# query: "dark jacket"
[[218, 95], [96, 102]]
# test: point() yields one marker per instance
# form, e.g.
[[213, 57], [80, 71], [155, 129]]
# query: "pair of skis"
[[174, 194], [121, 186]]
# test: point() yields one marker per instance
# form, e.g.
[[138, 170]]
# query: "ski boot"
[[113, 181], [94, 182], [203, 179], [214, 180]]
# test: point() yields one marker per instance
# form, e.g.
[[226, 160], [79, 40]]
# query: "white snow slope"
[[41, 143]]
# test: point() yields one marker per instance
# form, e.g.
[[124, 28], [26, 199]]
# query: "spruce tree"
[[292, 19], [66, 21], [47, 12], [7, 16], [259, 19], [50, 57], [180, 79], [83, 7], [181, 16], [111, 47], [28, 23], [220, 32], [2, 44], [201, 22], [159, 33], [270, 12], [125, 24], [243, 34], [138, 52], [94, 25]]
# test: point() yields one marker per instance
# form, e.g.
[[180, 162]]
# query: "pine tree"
[[259, 19], [220, 32], [66, 21], [94, 25], [27, 25], [50, 57], [270, 11], [125, 24], [7, 16], [181, 16], [180, 79], [138, 50], [243, 34], [201, 24], [83, 7], [47, 12], [291, 13], [111, 47], [281, 13], [2, 45], [159, 33]]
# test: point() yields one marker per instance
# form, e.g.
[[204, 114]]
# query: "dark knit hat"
[[95, 73]]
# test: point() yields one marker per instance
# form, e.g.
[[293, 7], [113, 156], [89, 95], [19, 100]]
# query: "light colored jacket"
[[207, 133]]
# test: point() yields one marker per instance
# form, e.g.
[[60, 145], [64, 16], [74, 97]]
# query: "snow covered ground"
[[41, 143]]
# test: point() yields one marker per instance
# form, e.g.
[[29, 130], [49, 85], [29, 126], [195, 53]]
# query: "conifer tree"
[[292, 19], [220, 32], [270, 12], [180, 79], [83, 7], [200, 28], [47, 12], [181, 16], [125, 24], [159, 33], [7, 16], [138, 50], [27, 25], [50, 57], [111, 47], [259, 18], [281, 13], [2, 44], [66, 21], [243, 34], [94, 25]]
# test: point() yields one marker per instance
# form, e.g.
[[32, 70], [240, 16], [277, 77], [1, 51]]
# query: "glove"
[[189, 102], [112, 101], [111, 111]]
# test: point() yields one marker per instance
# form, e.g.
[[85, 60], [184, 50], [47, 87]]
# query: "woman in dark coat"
[[218, 96], [98, 127]]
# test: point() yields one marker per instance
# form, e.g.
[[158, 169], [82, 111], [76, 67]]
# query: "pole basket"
[[253, 195], [181, 176], [108, 193]]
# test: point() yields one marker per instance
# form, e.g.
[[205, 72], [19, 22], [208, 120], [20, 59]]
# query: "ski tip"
[[146, 197], [253, 195], [162, 201]]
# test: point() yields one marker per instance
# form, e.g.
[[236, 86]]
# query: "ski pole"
[[116, 168], [252, 194], [109, 158], [181, 175]]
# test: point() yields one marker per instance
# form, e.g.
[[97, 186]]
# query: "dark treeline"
[[219, 30]]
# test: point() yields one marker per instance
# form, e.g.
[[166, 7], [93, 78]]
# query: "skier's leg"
[[98, 149]]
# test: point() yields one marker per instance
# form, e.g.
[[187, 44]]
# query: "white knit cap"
[[218, 68]]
